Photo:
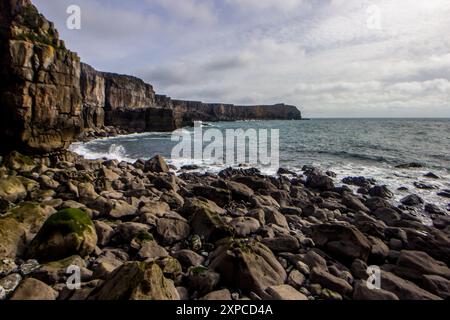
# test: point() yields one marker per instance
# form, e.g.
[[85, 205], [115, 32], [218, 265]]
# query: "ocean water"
[[349, 147]]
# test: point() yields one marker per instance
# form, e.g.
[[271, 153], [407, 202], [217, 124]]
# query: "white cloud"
[[320, 55]]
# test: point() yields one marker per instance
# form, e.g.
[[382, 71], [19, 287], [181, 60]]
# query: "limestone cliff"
[[40, 100], [47, 97]]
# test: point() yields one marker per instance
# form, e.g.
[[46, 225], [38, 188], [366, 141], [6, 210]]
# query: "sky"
[[331, 58]]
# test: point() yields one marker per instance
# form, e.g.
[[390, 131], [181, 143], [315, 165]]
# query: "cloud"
[[324, 56]]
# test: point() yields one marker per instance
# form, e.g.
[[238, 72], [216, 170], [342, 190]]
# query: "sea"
[[372, 148]]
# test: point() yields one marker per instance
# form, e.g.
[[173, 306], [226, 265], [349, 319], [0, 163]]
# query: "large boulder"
[[33, 289], [319, 181], [404, 289], [12, 189], [344, 242], [66, 233], [136, 281], [156, 164], [247, 264], [40, 83], [19, 225]]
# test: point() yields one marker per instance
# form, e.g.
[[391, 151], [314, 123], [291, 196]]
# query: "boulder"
[[151, 250], [18, 162], [282, 243], [188, 258], [247, 264], [220, 196], [18, 225], [156, 164], [136, 281], [421, 263], [404, 289], [437, 285], [354, 203], [387, 215], [284, 292], [67, 232], [329, 281], [202, 280], [380, 191], [362, 292], [319, 182], [171, 229], [412, 200], [244, 226], [342, 241], [239, 191], [12, 189], [32, 289]]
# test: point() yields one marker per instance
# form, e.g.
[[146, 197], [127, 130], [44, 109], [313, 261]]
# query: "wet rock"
[[409, 165], [136, 281], [247, 264], [156, 164], [434, 209], [444, 194], [381, 191], [341, 241], [387, 215], [431, 175], [32, 289], [362, 292], [284, 292], [330, 281], [424, 186], [359, 181], [67, 232], [319, 182], [412, 200]]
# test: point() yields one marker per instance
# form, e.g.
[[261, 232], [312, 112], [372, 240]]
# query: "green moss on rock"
[[67, 232]]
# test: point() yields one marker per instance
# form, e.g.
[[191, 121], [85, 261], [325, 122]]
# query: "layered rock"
[[48, 97], [39, 84]]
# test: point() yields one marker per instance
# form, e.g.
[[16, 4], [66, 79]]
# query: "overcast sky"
[[331, 58]]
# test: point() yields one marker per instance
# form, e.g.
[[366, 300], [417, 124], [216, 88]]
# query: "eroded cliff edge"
[[48, 97]]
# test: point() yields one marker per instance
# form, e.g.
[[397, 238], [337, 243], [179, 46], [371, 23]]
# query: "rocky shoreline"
[[147, 231]]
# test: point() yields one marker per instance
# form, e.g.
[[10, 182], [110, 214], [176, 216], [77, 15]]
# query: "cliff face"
[[47, 97], [40, 100]]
